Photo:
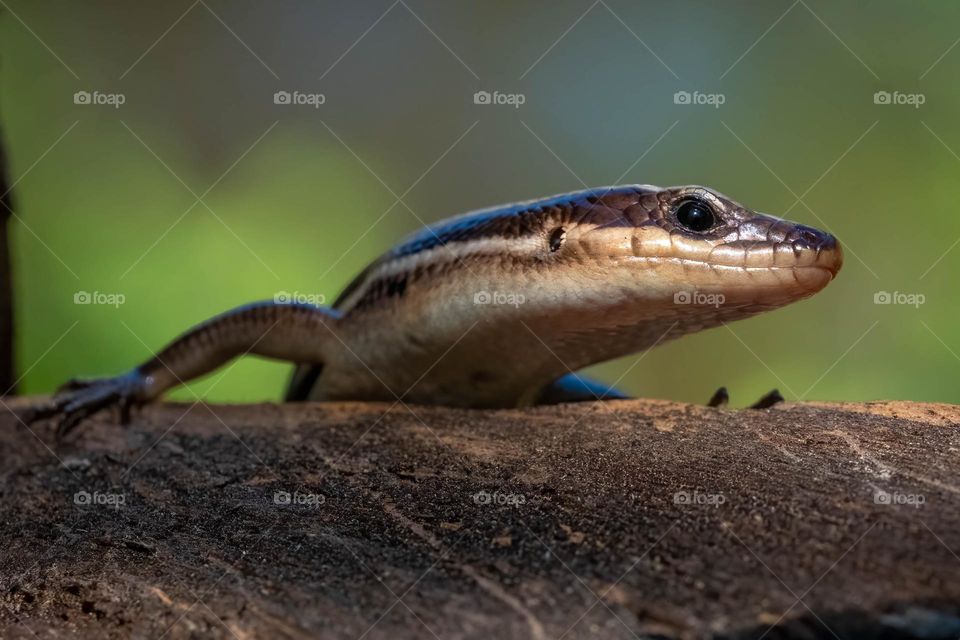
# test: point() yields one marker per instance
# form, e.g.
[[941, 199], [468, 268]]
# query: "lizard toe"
[[770, 399]]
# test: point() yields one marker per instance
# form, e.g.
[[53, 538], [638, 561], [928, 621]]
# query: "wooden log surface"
[[622, 519]]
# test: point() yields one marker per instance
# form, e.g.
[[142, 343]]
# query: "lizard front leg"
[[294, 332]]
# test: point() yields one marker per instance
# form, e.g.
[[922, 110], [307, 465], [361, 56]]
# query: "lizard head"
[[693, 246]]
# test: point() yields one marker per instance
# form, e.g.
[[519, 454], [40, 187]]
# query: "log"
[[620, 519]]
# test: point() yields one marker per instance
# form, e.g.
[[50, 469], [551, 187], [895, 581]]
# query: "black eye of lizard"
[[695, 215], [556, 239]]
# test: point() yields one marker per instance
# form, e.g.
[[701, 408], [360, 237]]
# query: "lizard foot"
[[78, 399], [767, 401], [720, 398]]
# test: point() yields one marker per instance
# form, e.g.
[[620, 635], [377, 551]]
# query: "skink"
[[498, 307]]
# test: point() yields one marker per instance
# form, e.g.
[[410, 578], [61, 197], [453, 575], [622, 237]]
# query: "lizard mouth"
[[799, 260], [748, 257], [817, 258], [759, 244], [768, 274], [800, 247]]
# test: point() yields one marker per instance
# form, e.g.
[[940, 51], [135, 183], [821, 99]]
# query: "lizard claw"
[[79, 399], [720, 398], [770, 399]]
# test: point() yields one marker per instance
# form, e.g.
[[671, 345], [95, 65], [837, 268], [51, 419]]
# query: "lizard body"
[[493, 308]]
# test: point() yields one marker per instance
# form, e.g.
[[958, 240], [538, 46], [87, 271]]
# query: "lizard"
[[500, 307]]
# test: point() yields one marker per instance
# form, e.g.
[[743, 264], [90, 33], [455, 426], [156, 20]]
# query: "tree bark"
[[620, 519]]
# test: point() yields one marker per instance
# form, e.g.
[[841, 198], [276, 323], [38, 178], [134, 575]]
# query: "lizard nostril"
[[810, 238]]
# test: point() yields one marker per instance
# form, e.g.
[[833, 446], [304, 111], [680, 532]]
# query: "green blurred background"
[[301, 198]]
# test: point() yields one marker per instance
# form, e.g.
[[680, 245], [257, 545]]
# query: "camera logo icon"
[[282, 97], [682, 297], [81, 97], [682, 97], [482, 97], [882, 297], [882, 97], [82, 297], [482, 297], [281, 497]]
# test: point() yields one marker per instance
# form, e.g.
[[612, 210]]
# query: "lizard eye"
[[695, 215], [556, 239]]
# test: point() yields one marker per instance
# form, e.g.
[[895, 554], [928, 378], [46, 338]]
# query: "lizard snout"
[[823, 245]]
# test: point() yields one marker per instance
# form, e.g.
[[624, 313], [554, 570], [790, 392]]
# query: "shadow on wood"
[[620, 519]]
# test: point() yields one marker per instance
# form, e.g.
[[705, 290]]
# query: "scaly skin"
[[491, 308]]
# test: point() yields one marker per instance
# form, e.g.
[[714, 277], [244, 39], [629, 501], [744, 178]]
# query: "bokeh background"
[[199, 193]]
